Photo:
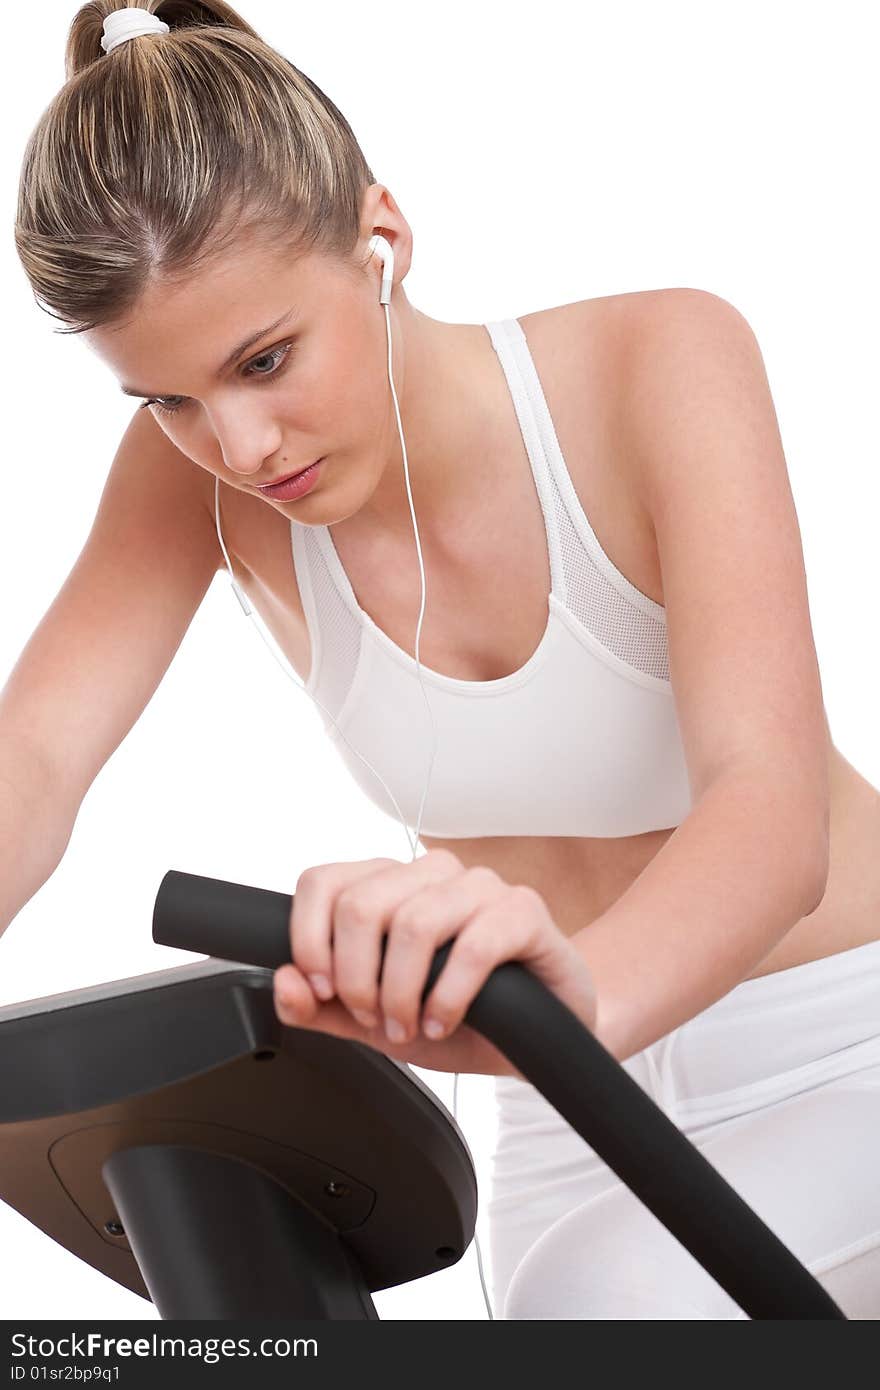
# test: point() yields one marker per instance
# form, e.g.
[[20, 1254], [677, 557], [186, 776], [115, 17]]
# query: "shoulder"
[[627, 344], [651, 363], [689, 375], [661, 331], [617, 324], [612, 360]]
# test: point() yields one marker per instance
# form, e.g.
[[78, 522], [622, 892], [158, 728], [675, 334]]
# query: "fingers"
[[294, 997], [499, 931], [310, 935], [340, 914], [418, 927], [513, 923]]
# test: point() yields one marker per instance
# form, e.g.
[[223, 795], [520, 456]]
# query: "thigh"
[[808, 1165], [541, 1169]]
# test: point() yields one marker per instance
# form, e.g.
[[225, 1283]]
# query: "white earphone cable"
[[296, 679], [421, 572], [413, 843]]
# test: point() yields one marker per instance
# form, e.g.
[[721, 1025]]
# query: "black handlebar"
[[570, 1067]]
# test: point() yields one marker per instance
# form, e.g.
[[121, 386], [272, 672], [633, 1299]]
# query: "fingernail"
[[394, 1030], [433, 1028], [321, 985], [364, 1019]]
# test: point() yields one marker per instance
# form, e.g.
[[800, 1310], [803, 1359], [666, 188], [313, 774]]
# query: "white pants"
[[778, 1084]]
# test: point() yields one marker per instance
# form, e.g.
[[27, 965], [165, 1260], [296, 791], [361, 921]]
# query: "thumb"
[[293, 991]]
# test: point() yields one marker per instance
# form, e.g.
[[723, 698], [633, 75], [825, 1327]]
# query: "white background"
[[541, 155]]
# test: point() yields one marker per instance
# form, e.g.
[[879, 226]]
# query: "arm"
[[700, 434], [35, 827], [100, 651], [727, 885]]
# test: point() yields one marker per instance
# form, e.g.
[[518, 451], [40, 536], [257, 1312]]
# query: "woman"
[[635, 790]]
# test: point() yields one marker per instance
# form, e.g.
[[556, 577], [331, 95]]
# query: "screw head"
[[337, 1189]]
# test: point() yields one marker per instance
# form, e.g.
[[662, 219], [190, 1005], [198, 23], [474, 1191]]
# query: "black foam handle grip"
[[578, 1076], [228, 920]]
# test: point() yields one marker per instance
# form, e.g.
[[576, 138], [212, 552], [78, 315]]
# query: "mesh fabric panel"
[[635, 637]]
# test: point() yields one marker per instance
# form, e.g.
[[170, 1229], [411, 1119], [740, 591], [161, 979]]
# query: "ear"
[[380, 213]]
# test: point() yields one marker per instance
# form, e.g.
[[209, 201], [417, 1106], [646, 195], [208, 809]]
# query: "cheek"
[[185, 439], [348, 389]]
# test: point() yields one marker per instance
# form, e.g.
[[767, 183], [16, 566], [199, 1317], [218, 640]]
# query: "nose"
[[247, 439]]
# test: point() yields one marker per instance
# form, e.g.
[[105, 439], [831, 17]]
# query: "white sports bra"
[[582, 740]]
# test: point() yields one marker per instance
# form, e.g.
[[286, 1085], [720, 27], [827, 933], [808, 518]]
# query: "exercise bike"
[[172, 1133]]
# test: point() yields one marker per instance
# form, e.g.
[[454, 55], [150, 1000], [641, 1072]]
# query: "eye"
[[276, 356]]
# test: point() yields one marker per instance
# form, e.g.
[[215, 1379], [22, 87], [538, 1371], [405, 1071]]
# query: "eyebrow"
[[233, 357]]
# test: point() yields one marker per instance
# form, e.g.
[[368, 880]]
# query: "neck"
[[451, 395]]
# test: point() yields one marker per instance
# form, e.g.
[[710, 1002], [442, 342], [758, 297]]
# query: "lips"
[[295, 486], [287, 477]]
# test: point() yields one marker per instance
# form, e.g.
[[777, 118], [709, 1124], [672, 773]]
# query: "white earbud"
[[381, 247]]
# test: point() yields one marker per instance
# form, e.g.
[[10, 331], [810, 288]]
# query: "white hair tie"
[[130, 23]]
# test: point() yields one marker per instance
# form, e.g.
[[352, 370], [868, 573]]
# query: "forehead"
[[191, 324], [242, 280]]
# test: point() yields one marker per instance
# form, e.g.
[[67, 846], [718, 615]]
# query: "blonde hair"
[[153, 158]]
